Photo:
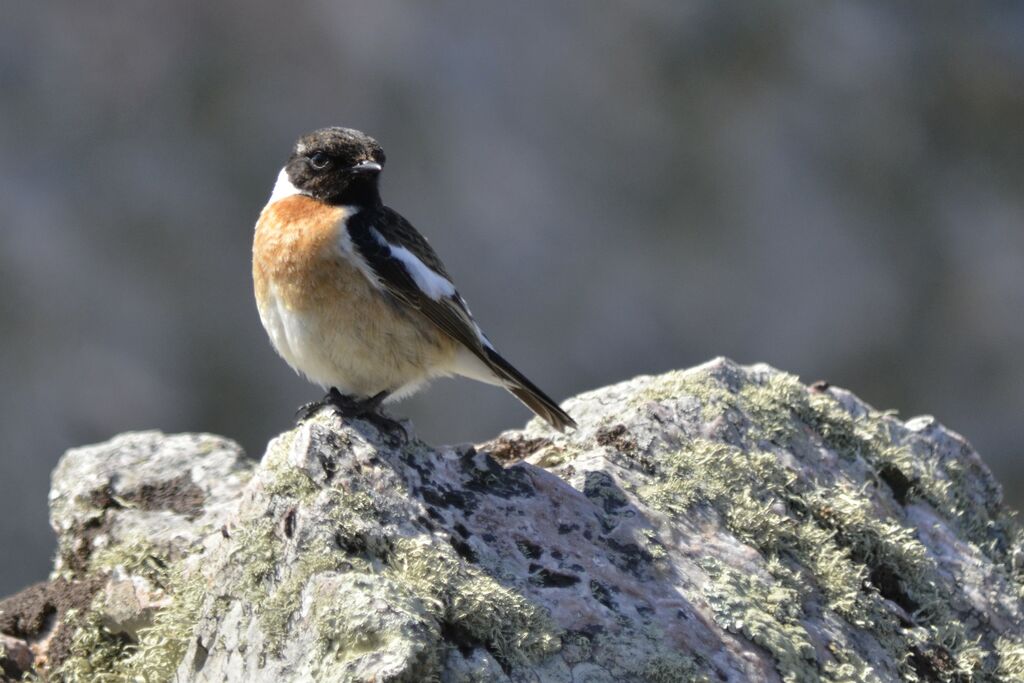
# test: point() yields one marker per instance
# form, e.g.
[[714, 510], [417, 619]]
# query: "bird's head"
[[336, 166]]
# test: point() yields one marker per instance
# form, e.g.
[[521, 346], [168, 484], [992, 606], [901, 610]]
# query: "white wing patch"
[[433, 285], [430, 282], [283, 187]]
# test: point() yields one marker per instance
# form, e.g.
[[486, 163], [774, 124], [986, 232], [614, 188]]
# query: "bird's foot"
[[308, 410], [351, 407]]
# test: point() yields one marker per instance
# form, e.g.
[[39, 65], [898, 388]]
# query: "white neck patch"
[[283, 187]]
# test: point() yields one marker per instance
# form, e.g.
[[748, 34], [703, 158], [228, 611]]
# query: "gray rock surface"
[[168, 491], [722, 523], [125, 512]]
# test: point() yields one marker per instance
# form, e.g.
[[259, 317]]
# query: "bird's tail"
[[528, 392]]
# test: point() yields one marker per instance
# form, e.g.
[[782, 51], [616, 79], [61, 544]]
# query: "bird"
[[354, 298]]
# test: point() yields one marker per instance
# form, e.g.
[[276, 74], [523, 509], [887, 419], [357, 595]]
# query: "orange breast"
[[323, 314], [297, 249]]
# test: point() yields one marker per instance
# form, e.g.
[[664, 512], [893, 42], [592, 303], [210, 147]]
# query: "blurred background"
[[617, 188]]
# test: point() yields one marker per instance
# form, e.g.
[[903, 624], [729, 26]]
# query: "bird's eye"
[[320, 161]]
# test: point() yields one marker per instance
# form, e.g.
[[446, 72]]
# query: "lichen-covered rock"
[[722, 523], [128, 514], [167, 491]]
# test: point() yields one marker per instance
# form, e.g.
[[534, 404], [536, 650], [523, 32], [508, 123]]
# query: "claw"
[[346, 406], [308, 410]]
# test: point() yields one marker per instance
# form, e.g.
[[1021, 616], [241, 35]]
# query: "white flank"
[[466, 364], [283, 187]]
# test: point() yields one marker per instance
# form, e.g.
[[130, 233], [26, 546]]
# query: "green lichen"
[[138, 558], [849, 667], [827, 532], [766, 613], [350, 514], [96, 655], [276, 609], [378, 615], [958, 489], [1011, 659], [282, 479], [758, 498], [650, 542], [703, 386], [514, 630], [673, 667], [434, 582], [162, 645], [820, 530], [256, 550]]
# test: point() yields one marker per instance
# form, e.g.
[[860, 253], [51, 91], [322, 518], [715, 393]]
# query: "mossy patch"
[[825, 530], [277, 609], [256, 550], [96, 654], [958, 488], [440, 591], [704, 386], [333, 570], [138, 558], [161, 646], [514, 630], [672, 667], [281, 478], [766, 613], [1011, 659], [99, 655], [379, 620]]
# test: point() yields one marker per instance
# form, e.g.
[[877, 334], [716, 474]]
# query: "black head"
[[337, 166]]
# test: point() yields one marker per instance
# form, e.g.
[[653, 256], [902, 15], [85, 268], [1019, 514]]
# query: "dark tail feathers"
[[528, 392]]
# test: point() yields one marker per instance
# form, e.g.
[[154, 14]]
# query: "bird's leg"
[[367, 409], [370, 408], [345, 406], [349, 406], [372, 404]]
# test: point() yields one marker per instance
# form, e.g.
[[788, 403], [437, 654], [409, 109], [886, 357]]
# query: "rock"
[[16, 657], [125, 512], [168, 492], [722, 523], [129, 603]]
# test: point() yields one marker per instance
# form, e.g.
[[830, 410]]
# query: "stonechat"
[[354, 298]]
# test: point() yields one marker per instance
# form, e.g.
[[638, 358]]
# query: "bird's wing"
[[406, 266]]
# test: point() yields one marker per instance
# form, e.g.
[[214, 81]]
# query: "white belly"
[[328, 317], [356, 354]]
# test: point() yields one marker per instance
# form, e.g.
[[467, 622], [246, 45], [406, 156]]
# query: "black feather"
[[528, 392], [449, 314]]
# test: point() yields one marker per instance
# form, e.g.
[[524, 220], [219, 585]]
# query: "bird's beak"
[[366, 168]]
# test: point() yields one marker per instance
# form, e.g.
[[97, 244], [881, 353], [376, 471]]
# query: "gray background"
[[618, 188]]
